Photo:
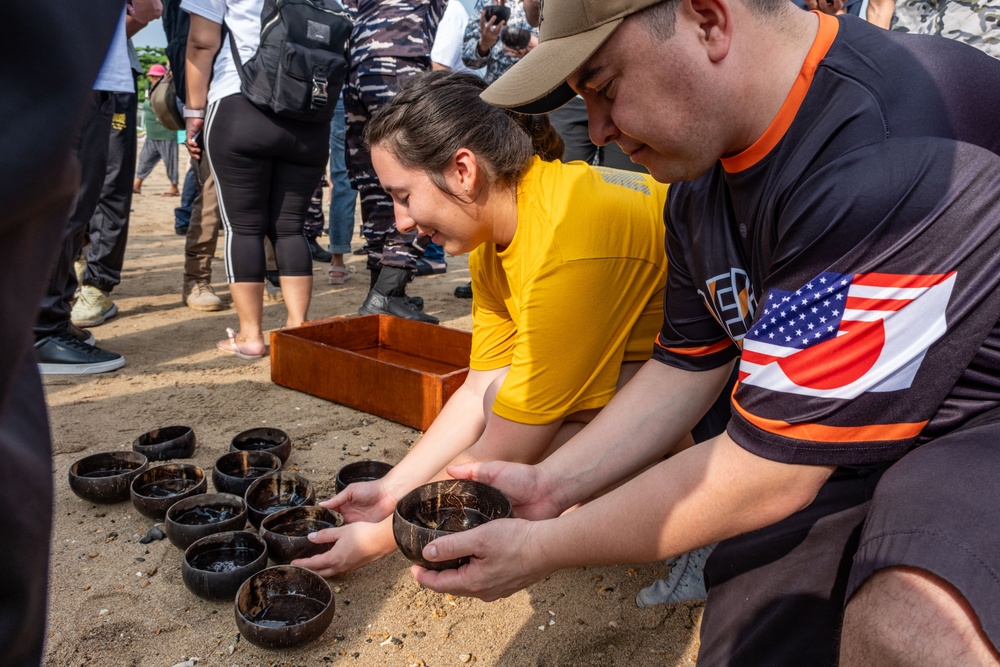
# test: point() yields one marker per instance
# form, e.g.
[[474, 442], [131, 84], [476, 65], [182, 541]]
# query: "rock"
[[465, 657], [154, 534]]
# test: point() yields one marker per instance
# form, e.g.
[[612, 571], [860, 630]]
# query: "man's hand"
[[530, 492], [489, 31], [520, 53], [356, 544], [145, 11], [363, 501], [504, 560]]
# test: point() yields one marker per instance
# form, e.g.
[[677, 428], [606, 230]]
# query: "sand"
[[117, 602]]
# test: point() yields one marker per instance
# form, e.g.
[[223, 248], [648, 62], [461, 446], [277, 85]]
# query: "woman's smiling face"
[[420, 204]]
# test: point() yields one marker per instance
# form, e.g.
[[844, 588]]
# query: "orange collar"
[[828, 27]]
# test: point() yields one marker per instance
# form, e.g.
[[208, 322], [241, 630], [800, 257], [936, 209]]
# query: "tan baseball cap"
[[570, 32]]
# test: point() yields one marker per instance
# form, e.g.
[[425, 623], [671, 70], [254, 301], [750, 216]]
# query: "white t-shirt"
[[447, 49], [116, 72], [242, 17]]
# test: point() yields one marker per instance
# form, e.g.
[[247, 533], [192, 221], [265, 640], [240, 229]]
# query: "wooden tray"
[[387, 366]]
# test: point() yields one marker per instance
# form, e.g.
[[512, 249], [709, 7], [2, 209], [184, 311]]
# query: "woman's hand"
[[195, 140], [363, 501], [355, 544]]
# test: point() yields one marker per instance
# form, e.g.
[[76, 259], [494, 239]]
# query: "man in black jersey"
[[834, 229]]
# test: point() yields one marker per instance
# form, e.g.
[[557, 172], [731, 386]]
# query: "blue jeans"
[[343, 199], [182, 214]]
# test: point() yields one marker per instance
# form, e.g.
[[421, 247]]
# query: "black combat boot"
[[416, 301], [388, 296]]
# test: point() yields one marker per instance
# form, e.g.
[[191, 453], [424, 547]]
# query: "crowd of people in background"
[[812, 158]]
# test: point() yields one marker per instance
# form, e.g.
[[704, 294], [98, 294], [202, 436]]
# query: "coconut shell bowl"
[[154, 490], [275, 492], [196, 517], [283, 606], [440, 508], [169, 442], [361, 471], [287, 532], [263, 439], [236, 471], [215, 566], [105, 477]]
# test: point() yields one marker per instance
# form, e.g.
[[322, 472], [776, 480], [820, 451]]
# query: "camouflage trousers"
[[370, 86]]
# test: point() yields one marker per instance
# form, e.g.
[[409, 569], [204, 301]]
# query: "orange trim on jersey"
[[695, 351], [820, 433], [828, 27]]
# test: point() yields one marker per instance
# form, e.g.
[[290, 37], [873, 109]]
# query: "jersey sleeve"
[[691, 338], [881, 287]]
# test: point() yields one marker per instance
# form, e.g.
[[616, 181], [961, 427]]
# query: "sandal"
[[230, 346], [338, 275]]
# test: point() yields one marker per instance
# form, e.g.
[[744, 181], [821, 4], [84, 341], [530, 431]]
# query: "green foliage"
[[149, 56]]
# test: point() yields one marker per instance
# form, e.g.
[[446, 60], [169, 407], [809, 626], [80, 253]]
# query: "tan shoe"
[[92, 308], [203, 297]]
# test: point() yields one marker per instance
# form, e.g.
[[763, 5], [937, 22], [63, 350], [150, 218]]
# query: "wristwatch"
[[194, 113]]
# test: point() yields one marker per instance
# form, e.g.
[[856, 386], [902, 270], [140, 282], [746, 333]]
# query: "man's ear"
[[713, 21]]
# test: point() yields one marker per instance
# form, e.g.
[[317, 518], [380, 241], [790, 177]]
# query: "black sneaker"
[[62, 354], [83, 335], [464, 291], [318, 253]]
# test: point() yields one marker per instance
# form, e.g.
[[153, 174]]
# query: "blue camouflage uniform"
[[391, 41]]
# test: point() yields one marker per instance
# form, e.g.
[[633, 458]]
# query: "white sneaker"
[[272, 294], [686, 580], [203, 297], [92, 307]]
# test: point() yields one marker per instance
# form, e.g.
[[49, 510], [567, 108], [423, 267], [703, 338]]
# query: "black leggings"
[[266, 169]]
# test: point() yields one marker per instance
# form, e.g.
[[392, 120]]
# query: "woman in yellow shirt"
[[568, 271]]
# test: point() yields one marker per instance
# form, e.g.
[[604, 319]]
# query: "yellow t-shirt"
[[578, 291]]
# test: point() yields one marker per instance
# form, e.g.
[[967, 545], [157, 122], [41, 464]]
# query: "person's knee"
[[909, 616]]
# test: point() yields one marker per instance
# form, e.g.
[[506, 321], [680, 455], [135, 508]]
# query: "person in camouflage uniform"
[[390, 42], [315, 221], [974, 22], [498, 59]]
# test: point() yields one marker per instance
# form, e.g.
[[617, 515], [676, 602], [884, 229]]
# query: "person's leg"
[[889, 621], [391, 254], [293, 186], [776, 595], [148, 157], [200, 242], [923, 589], [362, 97], [236, 136], [343, 199], [182, 213], [168, 150], [40, 180], [92, 151], [108, 228]]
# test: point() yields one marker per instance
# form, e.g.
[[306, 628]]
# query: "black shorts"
[[776, 595]]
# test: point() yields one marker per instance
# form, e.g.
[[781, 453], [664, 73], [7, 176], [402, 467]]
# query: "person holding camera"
[[497, 36]]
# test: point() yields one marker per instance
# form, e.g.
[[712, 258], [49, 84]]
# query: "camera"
[[501, 12], [514, 37]]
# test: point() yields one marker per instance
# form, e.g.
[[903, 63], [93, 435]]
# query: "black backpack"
[[301, 62]]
